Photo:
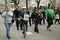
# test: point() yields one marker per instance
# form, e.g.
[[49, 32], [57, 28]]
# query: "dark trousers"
[[17, 25], [13, 19], [36, 26], [49, 25], [42, 19], [50, 22], [56, 20], [30, 21], [21, 26]]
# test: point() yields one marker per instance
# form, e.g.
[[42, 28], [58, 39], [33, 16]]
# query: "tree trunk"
[[5, 2], [27, 4], [37, 5], [38, 2], [16, 2]]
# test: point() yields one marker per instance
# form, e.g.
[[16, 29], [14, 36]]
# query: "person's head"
[[17, 7], [23, 9], [7, 9], [49, 6]]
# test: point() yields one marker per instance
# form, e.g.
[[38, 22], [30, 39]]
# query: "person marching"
[[18, 13], [49, 16], [36, 20], [7, 15], [56, 17], [25, 24]]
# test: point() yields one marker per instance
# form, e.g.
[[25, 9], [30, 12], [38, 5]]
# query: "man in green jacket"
[[49, 16]]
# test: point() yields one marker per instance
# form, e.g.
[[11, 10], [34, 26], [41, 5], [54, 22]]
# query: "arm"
[[46, 14], [10, 14], [4, 14], [53, 14]]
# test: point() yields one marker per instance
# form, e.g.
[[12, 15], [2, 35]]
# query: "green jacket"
[[50, 12]]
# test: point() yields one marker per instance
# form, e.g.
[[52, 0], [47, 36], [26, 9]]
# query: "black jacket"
[[33, 15], [17, 13], [36, 17]]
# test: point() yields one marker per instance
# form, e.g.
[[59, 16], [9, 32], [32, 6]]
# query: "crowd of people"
[[25, 16]]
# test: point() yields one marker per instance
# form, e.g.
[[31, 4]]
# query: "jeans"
[[25, 28], [7, 25]]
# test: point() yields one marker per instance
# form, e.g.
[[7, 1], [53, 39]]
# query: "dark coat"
[[17, 13], [36, 17]]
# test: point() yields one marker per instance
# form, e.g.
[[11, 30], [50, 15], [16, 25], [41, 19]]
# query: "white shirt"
[[26, 17], [57, 16], [7, 17]]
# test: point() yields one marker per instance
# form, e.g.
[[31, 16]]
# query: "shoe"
[[37, 32], [17, 29], [25, 37], [8, 37], [49, 30]]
